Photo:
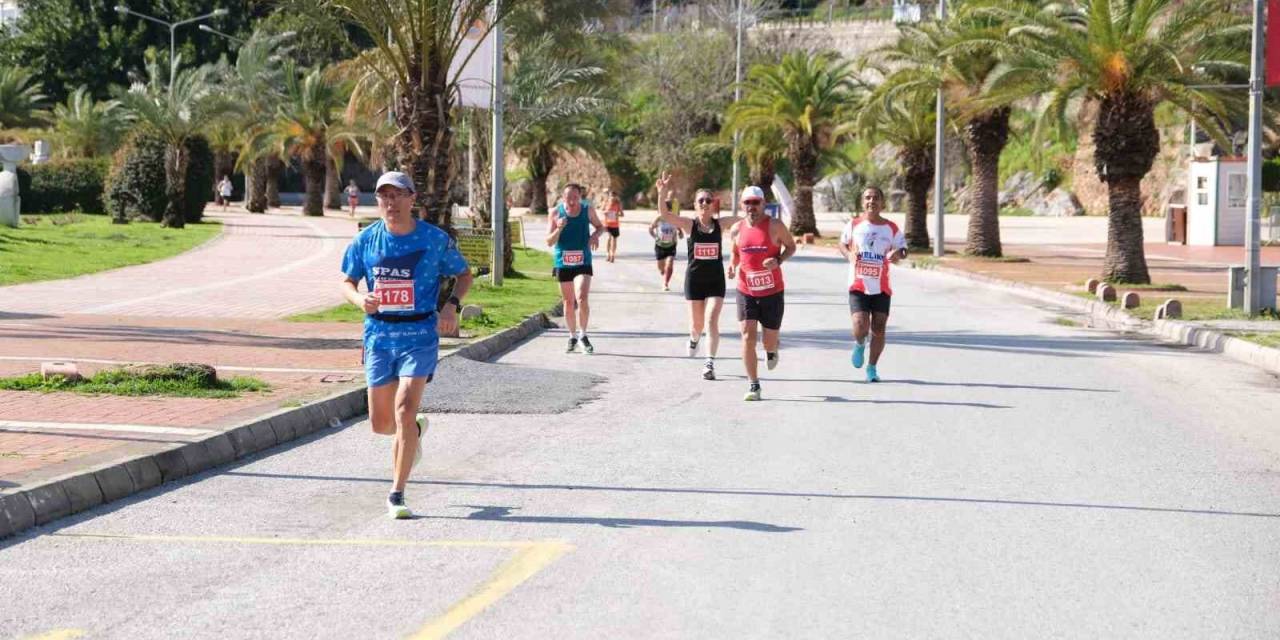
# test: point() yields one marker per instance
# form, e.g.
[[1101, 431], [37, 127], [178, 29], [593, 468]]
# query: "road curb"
[[62, 496], [1170, 331]]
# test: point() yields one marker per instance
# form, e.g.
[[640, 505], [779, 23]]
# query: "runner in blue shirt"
[[401, 260]]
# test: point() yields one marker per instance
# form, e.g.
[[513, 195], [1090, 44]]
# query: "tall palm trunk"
[[1126, 141], [762, 173], [313, 170], [541, 163], [423, 113], [275, 167], [804, 166], [917, 167], [175, 177], [256, 186], [331, 178], [985, 137]]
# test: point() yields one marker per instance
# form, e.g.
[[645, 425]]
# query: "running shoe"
[[771, 360], [586, 346], [417, 453], [859, 352], [666, 287], [396, 507], [573, 345], [693, 348], [872, 375], [709, 371], [753, 392]]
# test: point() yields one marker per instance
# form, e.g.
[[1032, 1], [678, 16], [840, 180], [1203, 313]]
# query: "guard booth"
[[1217, 198]]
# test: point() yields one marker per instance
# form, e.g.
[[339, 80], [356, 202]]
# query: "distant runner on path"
[[401, 261], [870, 243], [760, 245], [665, 236], [612, 224], [569, 233], [704, 280]]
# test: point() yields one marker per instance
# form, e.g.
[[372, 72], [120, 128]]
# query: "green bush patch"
[[63, 185], [1265, 339], [527, 292], [165, 380], [64, 246]]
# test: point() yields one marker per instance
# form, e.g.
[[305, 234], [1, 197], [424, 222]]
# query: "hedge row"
[[133, 179]]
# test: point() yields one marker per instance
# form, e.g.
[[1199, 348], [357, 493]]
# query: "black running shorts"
[[701, 287], [860, 302], [661, 252], [766, 309], [613, 231], [567, 274]]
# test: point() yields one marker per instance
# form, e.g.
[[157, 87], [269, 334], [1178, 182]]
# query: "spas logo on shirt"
[[400, 267]]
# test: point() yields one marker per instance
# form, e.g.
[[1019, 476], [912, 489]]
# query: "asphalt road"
[[1010, 478]]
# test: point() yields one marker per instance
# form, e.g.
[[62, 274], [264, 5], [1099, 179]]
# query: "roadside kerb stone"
[[1168, 330], [59, 497]]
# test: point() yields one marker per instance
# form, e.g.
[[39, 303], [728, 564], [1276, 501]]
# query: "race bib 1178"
[[394, 295]]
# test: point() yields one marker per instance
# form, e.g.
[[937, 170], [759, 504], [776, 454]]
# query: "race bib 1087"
[[394, 295], [573, 258]]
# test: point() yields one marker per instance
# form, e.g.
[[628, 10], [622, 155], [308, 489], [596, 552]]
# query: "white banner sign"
[[476, 78]]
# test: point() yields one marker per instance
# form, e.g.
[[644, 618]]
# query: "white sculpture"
[[10, 201], [41, 154]]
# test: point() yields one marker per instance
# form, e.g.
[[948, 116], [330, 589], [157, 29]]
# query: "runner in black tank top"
[[704, 281]]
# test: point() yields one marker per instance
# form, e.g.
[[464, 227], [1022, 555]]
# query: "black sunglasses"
[[705, 200]]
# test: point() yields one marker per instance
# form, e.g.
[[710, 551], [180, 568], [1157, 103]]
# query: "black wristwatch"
[[457, 304]]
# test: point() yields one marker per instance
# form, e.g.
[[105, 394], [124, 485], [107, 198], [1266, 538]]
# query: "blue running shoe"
[[872, 375], [859, 351]]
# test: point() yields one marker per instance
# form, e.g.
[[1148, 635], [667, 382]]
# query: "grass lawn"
[[119, 382], [1192, 308], [1265, 339], [530, 291], [49, 247]]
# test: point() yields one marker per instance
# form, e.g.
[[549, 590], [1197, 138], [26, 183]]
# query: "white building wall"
[[1202, 201]]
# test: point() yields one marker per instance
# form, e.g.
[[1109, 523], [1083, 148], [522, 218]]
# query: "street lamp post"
[[737, 93], [1253, 217], [939, 160], [208, 29], [173, 29], [498, 204]]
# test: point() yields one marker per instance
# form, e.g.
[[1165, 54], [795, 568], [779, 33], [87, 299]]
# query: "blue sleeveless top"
[[572, 248]]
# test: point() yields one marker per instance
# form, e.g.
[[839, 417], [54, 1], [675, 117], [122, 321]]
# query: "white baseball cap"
[[752, 192], [395, 179]]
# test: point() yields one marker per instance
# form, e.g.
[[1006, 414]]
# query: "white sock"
[[582, 333]]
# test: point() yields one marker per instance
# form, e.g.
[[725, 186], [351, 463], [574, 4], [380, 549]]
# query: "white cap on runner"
[[752, 192]]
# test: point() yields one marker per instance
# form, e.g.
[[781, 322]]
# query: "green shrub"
[[136, 183], [137, 180], [200, 170], [62, 186], [1271, 175]]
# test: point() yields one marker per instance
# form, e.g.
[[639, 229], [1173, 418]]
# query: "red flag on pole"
[[1273, 43]]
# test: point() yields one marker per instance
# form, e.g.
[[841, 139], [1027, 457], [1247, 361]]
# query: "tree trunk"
[[482, 181], [423, 145], [256, 186], [1126, 261], [917, 168], [275, 167], [313, 172], [985, 138], [1126, 141], [175, 173], [331, 179], [804, 166], [762, 175], [541, 163]]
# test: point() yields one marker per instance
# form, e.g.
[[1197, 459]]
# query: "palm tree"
[[175, 112], [959, 58], [1127, 57], [87, 128], [807, 99], [551, 99], [308, 125], [907, 122], [414, 43], [256, 82], [21, 100]]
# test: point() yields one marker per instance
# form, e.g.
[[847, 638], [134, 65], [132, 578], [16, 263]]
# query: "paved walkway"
[[1010, 478], [261, 266]]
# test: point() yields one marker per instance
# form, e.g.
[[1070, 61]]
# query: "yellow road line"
[[58, 634], [529, 561], [533, 557]]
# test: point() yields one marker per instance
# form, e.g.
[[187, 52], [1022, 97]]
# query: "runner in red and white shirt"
[[870, 243]]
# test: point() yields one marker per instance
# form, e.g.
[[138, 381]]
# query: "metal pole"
[[474, 127], [498, 205], [737, 93], [173, 68], [939, 161], [1253, 226], [655, 16]]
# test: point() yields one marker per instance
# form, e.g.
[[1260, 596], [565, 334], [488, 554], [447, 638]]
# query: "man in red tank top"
[[760, 245]]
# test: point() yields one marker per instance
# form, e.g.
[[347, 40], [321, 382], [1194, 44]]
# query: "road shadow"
[[503, 514], [994, 385], [9, 315], [929, 403], [1053, 346]]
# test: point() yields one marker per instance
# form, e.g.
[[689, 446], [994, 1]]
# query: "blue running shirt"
[[405, 271]]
